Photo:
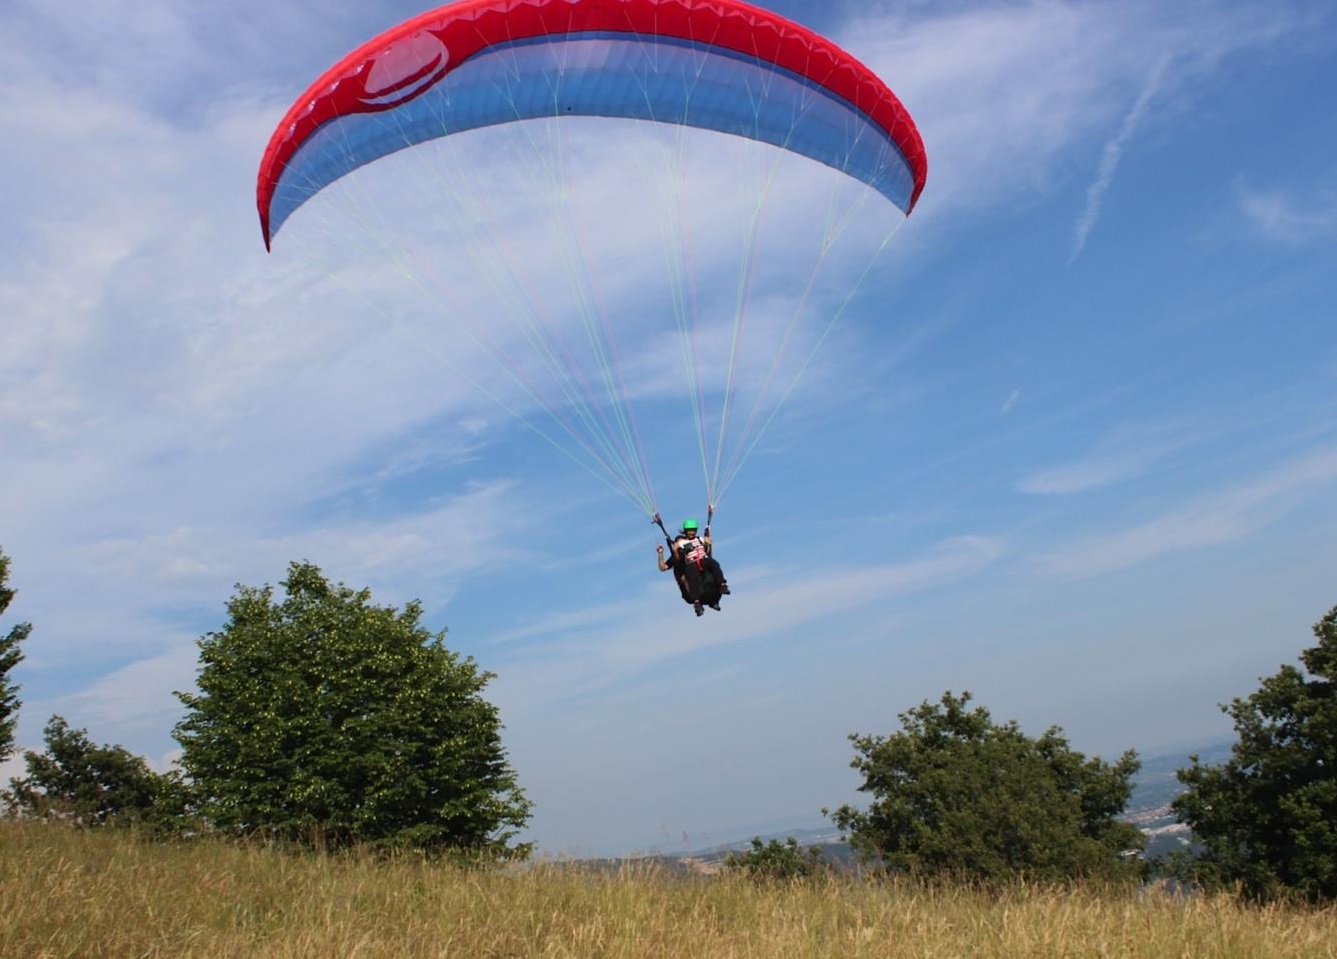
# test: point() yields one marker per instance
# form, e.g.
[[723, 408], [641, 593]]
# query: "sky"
[[1072, 446]]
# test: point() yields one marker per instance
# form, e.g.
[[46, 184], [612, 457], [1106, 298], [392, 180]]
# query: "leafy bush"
[[777, 860], [79, 782], [956, 794]]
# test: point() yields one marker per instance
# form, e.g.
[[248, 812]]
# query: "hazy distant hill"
[[1156, 782], [1157, 786]]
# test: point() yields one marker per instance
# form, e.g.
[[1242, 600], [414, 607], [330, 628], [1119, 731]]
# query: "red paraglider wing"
[[396, 68]]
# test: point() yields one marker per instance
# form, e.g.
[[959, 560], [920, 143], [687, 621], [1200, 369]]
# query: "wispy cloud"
[[1124, 456], [1004, 93], [1282, 217], [585, 653], [1208, 521], [136, 699], [1010, 402], [1112, 154]]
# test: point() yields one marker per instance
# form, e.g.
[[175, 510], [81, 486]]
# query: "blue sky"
[[1073, 447]]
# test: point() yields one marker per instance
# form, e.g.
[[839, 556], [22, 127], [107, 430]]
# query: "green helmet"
[[689, 524]]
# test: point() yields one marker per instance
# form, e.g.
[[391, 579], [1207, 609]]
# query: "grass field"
[[65, 893]]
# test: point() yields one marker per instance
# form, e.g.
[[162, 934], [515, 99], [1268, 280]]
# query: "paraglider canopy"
[[481, 62]]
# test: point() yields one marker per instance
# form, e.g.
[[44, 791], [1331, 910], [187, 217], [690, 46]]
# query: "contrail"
[[1109, 160]]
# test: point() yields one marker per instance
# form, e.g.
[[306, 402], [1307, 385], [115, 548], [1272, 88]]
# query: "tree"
[[959, 795], [90, 785], [10, 656], [326, 720], [1266, 819]]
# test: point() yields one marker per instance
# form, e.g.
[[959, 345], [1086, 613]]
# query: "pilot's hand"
[[659, 550]]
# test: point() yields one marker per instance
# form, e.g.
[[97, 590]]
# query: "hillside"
[[103, 893]]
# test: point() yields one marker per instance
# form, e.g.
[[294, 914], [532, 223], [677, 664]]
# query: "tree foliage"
[[10, 656], [777, 860], [956, 794], [324, 719], [90, 785], [1266, 819]]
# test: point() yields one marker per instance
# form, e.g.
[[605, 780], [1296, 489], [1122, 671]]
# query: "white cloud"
[[1125, 455], [1207, 521], [1090, 473], [1281, 217], [584, 654], [1002, 93], [12, 768], [135, 701]]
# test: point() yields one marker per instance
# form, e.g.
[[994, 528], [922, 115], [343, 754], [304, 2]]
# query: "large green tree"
[[78, 781], [325, 719], [956, 794], [1266, 819], [10, 656]]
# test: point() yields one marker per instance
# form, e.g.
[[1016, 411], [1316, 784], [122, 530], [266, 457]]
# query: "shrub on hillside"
[[777, 860], [956, 794]]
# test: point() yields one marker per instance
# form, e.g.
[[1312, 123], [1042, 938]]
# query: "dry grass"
[[71, 894]]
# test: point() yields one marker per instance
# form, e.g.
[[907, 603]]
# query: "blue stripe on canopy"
[[609, 75]]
